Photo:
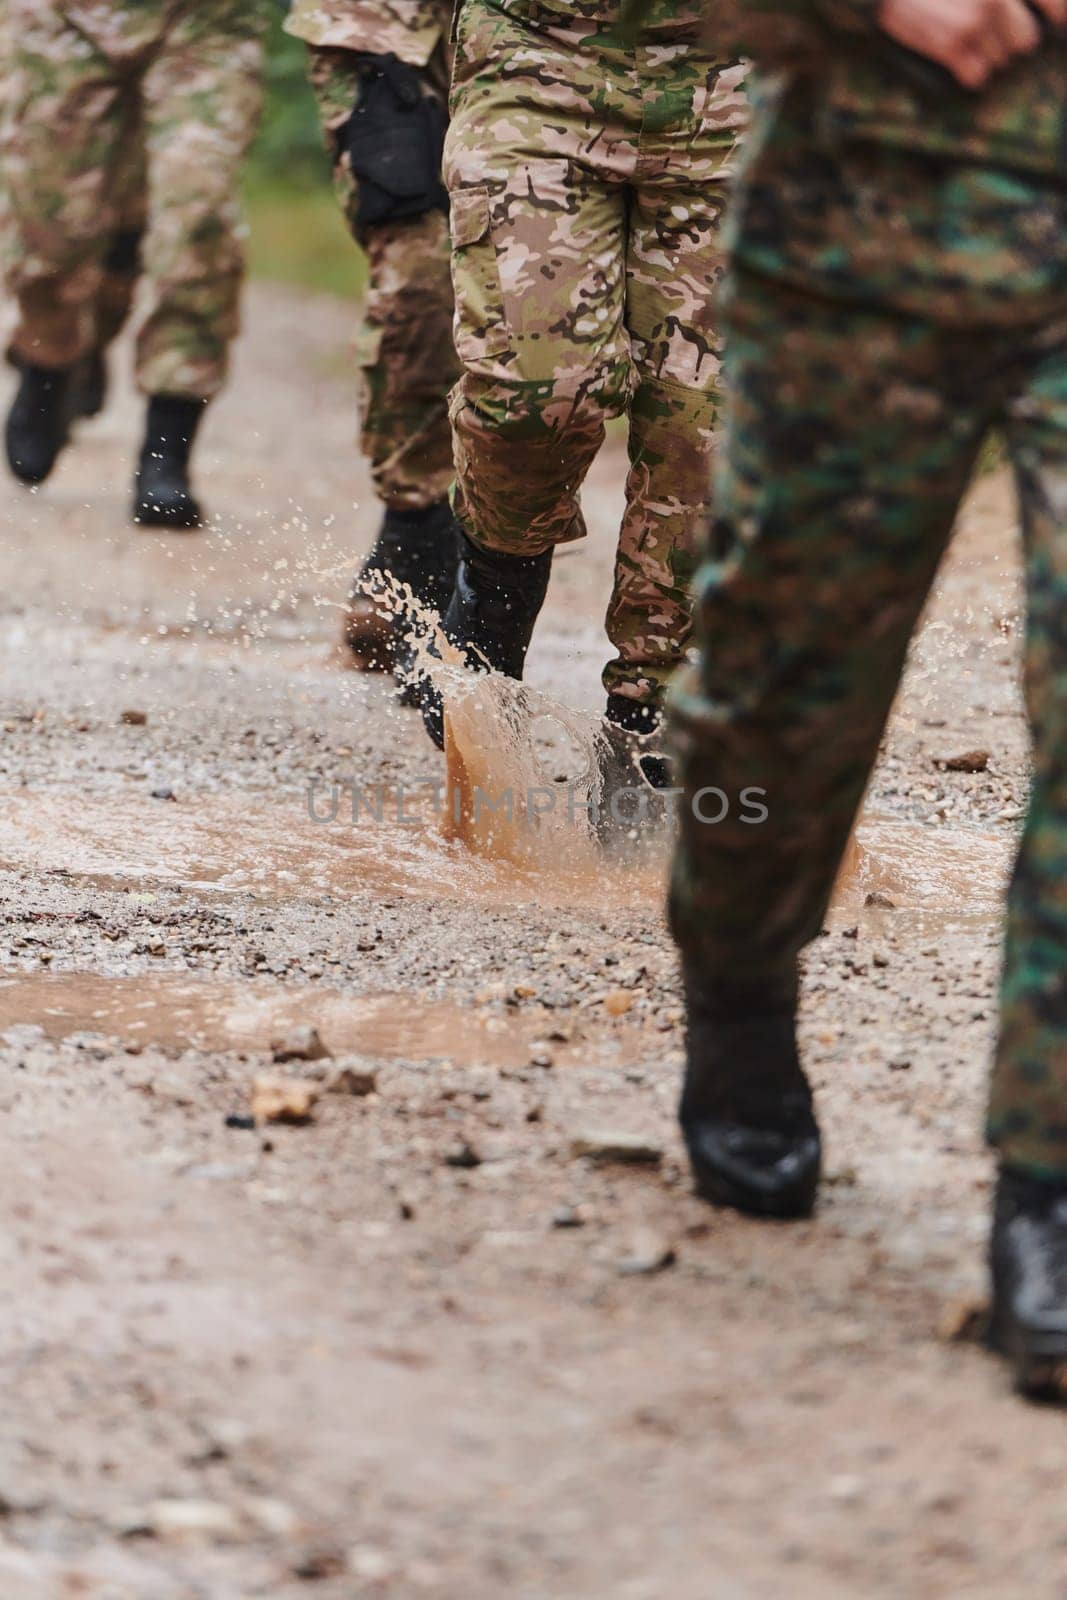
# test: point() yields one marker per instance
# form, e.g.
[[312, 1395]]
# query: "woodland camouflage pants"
[[851, 439], [588, 180]]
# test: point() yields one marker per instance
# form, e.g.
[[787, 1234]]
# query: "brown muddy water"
[[178, 1013]]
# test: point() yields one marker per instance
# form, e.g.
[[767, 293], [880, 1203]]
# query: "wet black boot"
[[490, 617], [746, 1109], [163, 497], [641, 717], [38, 422], [417, 548], [1028, 1260]]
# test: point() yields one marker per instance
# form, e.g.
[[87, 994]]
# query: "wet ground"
[[422, 1344]]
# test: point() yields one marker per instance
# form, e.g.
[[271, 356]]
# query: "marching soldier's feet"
[[416, 548], [641, 717], [38, 422], [1028, 1257], [746, 1109], [163, 496], [495, 603]]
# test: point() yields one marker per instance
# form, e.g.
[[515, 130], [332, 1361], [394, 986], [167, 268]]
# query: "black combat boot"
[[1028, 1259], [163, 497], [416, 548], [642, 717], [495, 603], [746, 1109], [38, 422]]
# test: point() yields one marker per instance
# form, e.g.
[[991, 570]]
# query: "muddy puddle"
[[342, 841], [178, 1013], [337, 839], [944, 873]]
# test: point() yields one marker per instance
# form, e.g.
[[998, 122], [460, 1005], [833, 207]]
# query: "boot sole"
[[789, 1205], [146, 516]]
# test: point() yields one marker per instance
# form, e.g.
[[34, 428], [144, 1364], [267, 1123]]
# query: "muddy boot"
[[416, 548], [38, 422], [746, 1109], [641, 717], [495, 603], [163, 497], [88, 387], [1028, 1258]]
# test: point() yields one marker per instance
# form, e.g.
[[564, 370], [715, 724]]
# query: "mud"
[[402, 1351]]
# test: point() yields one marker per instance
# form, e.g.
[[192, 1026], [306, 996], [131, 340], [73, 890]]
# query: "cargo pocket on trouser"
[[481, 325]]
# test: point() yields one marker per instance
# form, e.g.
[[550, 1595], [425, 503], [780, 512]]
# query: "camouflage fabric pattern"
[[588, 177], [404, 348], [865, 86], [412, 30], [862, 387], [181, 81]]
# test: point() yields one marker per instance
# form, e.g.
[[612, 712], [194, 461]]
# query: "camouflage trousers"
[[404, 348], [95, 89], [851, 437], [588, 180]]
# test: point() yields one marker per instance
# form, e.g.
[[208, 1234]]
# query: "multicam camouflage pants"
[[851, 435], [90, 82], [588, 179], [404, 348]]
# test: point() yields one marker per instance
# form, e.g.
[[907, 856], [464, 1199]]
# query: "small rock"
[[969, 761], [617, 1002], [278, 1099], [300, 1044], [463, 1155], [877, 898], [541, 1055], [245, 1123], [133, 718], [964, 1322], [163, 793], [649, 1252], [567, 1217], [625, 1149], [169, 1519], [318, 1562], [353, 1080], [847, 1490]]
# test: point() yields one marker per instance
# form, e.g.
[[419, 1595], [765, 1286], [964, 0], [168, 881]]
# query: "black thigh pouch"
[[395, 140]]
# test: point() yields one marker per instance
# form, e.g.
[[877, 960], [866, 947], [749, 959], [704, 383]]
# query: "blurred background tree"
[[297, 233]]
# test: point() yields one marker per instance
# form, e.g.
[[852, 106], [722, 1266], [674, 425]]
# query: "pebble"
[[567, 1217], [134, 718], [617, 1002], [624, 1149], [278, 1099], [300, 1044], [353, 1080], [463, 1155], [649, 1253]]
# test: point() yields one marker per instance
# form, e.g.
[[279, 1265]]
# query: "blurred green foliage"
[[297, 234]]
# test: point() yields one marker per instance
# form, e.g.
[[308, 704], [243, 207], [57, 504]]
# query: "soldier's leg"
[[407, 364], [1028, 1111], [538, 268], [59, 192], [200, 101], [406, 355], [120, 268], [674, 261], [833, 504]]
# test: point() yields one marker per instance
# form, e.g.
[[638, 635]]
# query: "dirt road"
[[420, 1345]]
